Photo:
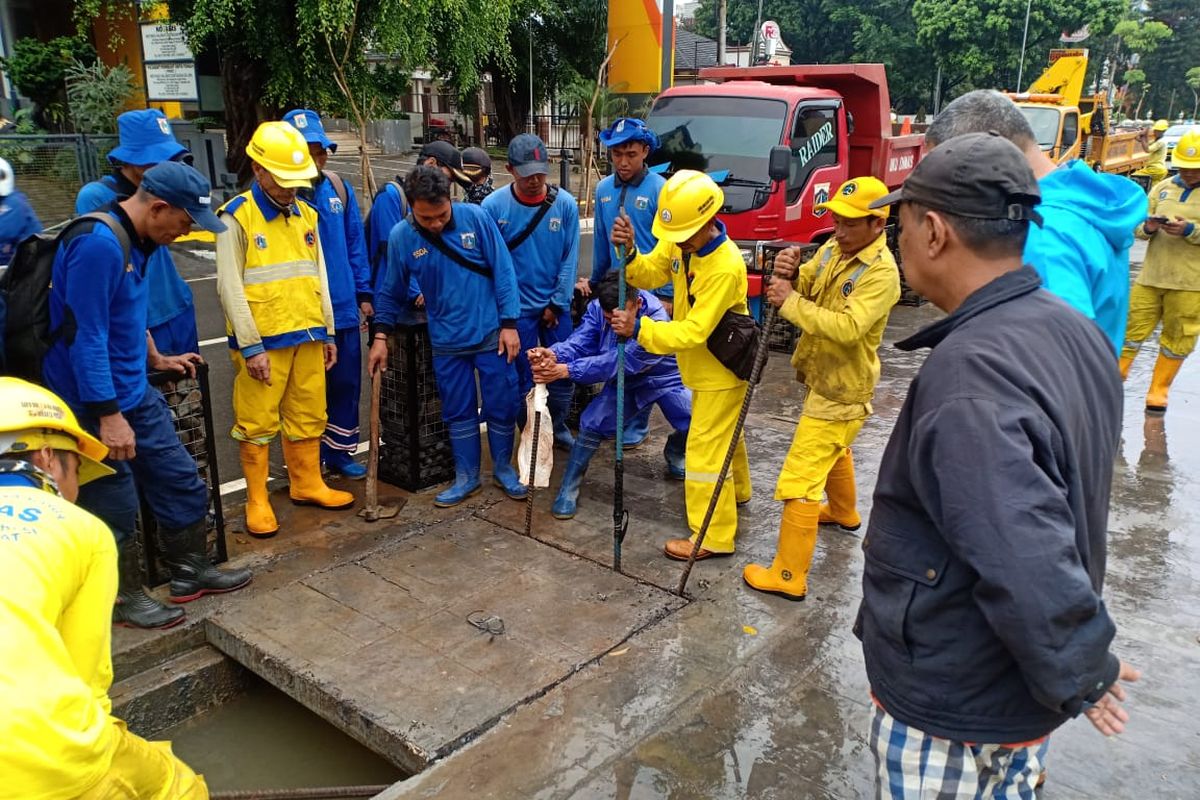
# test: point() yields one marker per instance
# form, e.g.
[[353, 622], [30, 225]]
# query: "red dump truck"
[[779, 140]]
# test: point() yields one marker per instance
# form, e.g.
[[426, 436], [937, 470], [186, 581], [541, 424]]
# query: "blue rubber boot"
[[585, 447], [637, 428], [342, 463], [500, 442], [559, 404], [674, 454], [465, 445]]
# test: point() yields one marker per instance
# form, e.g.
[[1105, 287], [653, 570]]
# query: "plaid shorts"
[[912, 765]]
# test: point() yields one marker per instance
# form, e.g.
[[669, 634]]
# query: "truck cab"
[[833, 120]]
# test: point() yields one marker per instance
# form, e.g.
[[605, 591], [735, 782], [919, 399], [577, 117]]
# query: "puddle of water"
[[265, 740]]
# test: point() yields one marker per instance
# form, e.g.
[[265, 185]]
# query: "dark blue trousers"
[[343, 384]]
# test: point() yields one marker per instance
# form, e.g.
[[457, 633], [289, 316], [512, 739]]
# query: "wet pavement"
[[737, 694]]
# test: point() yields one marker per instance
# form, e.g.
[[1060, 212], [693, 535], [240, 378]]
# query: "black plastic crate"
[[414, 452], [908, 296], [190, 403], [583, 394], [784, 334]]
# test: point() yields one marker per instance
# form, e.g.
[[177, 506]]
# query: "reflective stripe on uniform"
[[281, 271]]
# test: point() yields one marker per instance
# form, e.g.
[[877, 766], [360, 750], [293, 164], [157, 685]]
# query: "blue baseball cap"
[[145, 138], [183, 187], [527, 155], [308, 122], [628, 129]]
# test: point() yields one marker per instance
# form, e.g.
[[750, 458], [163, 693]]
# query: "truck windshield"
[[721, 133], [1044, 122]]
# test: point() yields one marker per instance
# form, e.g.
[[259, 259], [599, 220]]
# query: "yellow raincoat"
[[718, 284]]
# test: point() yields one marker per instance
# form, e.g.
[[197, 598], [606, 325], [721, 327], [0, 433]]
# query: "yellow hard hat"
[[281, 150], [1186, 154], [34, 417], [854, 198], [688, 200], [1161, 125]]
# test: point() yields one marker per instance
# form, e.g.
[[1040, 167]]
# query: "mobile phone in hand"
[[1161, 220]]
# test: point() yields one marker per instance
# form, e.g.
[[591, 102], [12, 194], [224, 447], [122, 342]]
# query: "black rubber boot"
[[192, 574], [135, 608]]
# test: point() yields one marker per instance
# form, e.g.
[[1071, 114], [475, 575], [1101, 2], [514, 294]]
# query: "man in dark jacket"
[[981, 621]]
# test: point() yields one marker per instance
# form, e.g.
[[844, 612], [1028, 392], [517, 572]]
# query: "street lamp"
[[1024, 39]]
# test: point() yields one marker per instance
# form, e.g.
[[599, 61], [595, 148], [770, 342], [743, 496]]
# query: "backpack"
[[339, 185], [25, 297]]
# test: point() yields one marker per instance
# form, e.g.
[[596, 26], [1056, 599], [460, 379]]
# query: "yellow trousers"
[[714, 415], [1179, 311], [816, 447], [294, 399], [144, 770]]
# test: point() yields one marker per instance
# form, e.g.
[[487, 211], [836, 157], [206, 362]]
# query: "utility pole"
[[754, 35], [1024, 39], [722, 9]]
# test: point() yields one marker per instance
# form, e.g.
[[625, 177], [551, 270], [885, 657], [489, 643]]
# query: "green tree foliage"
[[1167, 66], [38, 70], [94, 91], [1192, 77]]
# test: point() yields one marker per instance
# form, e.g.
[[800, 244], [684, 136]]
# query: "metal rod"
[[533, 454], [760, 359], [619, 461], [317, 793], [372, 490]]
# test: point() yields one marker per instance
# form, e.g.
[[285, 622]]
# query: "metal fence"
[[50, 168]]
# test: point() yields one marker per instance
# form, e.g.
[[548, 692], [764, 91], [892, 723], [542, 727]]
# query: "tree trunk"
[[512, 104], [241, 88]]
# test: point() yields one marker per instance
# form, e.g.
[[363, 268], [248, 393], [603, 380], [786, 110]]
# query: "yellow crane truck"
[[1069, 125]]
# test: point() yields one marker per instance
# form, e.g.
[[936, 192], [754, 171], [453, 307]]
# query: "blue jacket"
[[547, 262], [387, 209], [169, 293], [1082, 249], [590, 352], [102, 369], [465, 308], [641, 204], [17, 223], [981, 618], [344, 247]]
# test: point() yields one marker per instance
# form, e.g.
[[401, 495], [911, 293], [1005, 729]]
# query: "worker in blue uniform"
[[145, 140], [589, 355], [540, 226], [458, 257], [17, 220], [344, 246], [633, 189], [101, 294]]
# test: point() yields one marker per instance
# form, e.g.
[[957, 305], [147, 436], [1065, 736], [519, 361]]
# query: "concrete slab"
[[382, 647]]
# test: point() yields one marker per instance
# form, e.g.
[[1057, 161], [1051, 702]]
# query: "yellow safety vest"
[[282, 276], [1172, 262]]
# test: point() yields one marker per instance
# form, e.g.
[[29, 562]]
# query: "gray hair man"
[[1081, 251]]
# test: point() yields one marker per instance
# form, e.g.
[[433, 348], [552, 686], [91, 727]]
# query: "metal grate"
[[190, 404], [415, 450], [51, 168]]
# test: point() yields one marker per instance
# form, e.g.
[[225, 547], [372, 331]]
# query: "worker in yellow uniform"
[[279, 317], [58, 566], [708, 277], [1155, 168], [840, 300], [1168, 287]]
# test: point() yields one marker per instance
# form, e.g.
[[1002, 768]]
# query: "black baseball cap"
[[977, 175]]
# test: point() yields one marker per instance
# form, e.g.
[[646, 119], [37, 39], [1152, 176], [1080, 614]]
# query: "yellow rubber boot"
[[1126, 362], [842, 508], [1165, 370], [260, 519], [304, 474], [788, 574]]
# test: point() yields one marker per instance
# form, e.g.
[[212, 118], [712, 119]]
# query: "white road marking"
[[204, 278], [217, 340]]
